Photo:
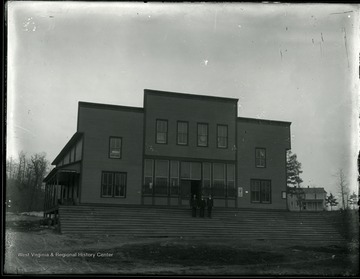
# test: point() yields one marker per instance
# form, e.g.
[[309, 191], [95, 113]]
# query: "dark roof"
[[67, 147], [110, 107], [264, 121], [309, 190], [188, 96], [312, 190], [50, 174], [56, 170]]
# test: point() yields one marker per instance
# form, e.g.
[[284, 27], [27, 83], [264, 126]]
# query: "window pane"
[[219, 171], [182, 133], [161, 131], [107, 179], [207, 171], [260, 157], [255, 191], [115, 148], [161, 176], [207, 179], [174, 177], [195, 170], [162, 168], [202, 134], [265, 191], [222, 136], [148, 167], [174, 169], [161, 185], [120, 184], [230, 170], [185, 170]]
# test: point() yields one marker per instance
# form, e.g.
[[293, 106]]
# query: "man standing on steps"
[[202, 207], [210, 204], [193, 205]]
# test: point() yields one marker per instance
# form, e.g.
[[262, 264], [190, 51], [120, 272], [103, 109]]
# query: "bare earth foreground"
[[34, 249]]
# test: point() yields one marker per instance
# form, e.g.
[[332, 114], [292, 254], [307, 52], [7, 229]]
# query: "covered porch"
[[62, 187]]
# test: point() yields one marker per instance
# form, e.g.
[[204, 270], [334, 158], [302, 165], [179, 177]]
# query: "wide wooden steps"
[[177, 222]]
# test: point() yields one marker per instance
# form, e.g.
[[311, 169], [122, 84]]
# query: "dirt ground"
[[34, 249]]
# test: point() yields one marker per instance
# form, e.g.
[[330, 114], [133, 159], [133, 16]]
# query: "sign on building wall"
[[240, 192]]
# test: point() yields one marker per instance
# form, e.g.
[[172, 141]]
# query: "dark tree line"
[[24, 182]]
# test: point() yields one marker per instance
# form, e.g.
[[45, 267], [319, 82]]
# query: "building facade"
[[307, 199], [176, 146]]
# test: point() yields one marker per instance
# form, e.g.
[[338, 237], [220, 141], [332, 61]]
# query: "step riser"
[[157, 222]]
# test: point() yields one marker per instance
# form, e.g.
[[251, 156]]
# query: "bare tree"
[[24, 181], [343, 189], [39, 167]]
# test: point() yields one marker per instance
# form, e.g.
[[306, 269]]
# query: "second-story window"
[[202, 131], [161, 131], [222, 136], [260, 157], [182, 133], [115, 148]]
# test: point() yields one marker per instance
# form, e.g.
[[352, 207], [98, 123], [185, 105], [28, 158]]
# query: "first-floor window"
[[260, 191], [174, 177], [148, 176], [219, 179], [206, 178], [161, 177], [113, 184], [230, 179]]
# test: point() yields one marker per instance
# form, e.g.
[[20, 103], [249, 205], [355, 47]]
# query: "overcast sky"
[[295, 63]]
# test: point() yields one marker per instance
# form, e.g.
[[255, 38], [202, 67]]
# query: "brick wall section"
[[99, 122], [275, 137]]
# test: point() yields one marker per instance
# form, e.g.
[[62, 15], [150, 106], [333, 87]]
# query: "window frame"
[[207, 134], [166, 133], [260, 191], [216, 180], [217, 136], [156, 175], [149, 193], [121, 144], [187, 133], [256, 158], [113, 173], [171, 177]]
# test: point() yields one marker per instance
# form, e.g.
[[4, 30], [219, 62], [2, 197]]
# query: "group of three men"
[[201, 204]]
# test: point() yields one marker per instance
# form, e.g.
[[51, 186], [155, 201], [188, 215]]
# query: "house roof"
[[314, 190], [67, 147]]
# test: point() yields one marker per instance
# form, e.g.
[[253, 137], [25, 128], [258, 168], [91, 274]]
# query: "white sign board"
[[240, 192]]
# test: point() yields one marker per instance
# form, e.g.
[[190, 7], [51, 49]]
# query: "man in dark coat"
[[202, 207], [210, 204], [193, 205]]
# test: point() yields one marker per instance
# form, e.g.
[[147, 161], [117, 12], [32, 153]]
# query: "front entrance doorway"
[[189, 188], [196, 188]]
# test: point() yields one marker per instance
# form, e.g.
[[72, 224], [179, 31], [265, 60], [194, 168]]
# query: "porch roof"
[[62, 174]]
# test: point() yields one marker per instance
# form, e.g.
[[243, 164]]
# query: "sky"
[[288, 62]]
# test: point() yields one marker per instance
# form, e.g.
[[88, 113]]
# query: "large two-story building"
[[177, 145]]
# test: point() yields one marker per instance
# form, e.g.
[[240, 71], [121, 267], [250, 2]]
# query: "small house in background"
[[306, 199]]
